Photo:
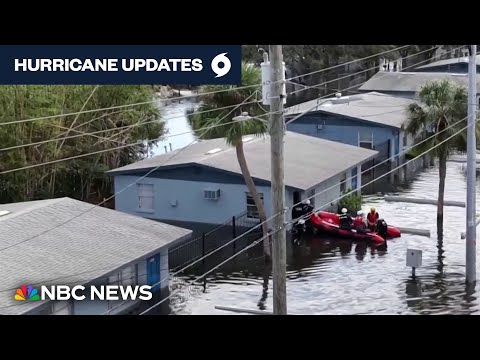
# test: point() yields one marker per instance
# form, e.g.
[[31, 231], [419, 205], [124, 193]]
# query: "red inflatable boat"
[[328, 223]]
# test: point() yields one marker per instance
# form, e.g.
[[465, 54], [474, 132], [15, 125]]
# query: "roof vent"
[[338, 95], [4, 212], [213, 151]]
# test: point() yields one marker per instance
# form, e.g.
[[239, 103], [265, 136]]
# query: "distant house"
[[203, 183], [408, 84], [454, 66], [98, 246], [371, 120]]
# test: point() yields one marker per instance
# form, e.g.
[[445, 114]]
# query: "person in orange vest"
[[372, 219]]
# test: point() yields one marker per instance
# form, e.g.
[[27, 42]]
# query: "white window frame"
[[343, 183], [250, 206], [211, 194], [141, 195], [365, 142]]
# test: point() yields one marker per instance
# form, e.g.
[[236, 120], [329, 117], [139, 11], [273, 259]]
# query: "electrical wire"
[[232, 88], [147, 122], [130, 126], [294, 220], [242, 235], [126, 187]]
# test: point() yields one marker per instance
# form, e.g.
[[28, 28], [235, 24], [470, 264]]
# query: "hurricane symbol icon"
[[221, 59]]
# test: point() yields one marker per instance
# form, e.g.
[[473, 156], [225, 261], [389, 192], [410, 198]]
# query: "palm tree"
[[442, 104], [234, 132]]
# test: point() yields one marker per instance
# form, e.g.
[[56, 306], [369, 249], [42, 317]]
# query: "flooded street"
[[173, 111], [336, 277]]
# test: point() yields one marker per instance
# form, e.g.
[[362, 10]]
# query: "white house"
[[203, 183], [67, 242]]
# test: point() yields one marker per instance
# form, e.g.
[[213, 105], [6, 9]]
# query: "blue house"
[[371, 120], [203, 183], [69, 242]]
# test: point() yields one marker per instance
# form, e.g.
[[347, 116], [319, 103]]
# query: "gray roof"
[[308, 160], [411, 81], [459, 60], [82, 250], [372, 107]]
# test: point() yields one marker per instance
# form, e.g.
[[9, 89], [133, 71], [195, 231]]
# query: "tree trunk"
[[256, 198], [441, 192]]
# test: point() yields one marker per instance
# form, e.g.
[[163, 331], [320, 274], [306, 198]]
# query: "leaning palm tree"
[[442, 104], [233, 132]]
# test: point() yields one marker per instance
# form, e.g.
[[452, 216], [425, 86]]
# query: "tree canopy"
[[82, 178]]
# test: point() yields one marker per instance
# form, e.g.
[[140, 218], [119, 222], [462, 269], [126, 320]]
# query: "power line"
[[256, 242], [301, 217], [232, 88], [362, 83], [152, 121], [157, 168], [129, 126], [123, 189], [306, 87], [240, 236], [349, 62], [138, 143], [138, 180]]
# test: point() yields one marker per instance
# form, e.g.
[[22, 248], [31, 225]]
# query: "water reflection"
[[328, 276], [266, 277]]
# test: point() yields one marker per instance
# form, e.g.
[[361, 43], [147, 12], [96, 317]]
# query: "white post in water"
[[471, 234], [414, 259]]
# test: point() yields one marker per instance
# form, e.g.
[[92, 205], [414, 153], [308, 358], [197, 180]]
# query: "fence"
[[206, 239]]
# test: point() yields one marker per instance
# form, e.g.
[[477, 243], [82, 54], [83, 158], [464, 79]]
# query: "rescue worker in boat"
[[372, 218], [345, 220], [302, 209], [360, 222], [307, 208]]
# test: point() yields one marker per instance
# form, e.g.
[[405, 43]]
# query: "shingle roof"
[[411, 81], [91, 245], [461, 60], [308, 160], [372, 107]]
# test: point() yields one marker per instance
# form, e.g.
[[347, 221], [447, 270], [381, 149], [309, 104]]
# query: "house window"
[[354, 179], [211, 194], [145, 196], [343, 183], [252, 211], [365, 139]]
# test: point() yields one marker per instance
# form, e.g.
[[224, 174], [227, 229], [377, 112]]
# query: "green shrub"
[[353, 201]]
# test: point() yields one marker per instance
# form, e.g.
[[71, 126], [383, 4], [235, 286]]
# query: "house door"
[[153, 272]]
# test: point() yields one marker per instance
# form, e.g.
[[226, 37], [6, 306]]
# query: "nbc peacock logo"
[[27, 293]]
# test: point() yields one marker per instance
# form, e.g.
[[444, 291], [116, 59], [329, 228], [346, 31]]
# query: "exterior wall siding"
[[181, 200], [346, 131]]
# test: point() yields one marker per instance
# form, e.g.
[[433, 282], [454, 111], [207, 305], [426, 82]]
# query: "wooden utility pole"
[[471, 234], [277, 129]]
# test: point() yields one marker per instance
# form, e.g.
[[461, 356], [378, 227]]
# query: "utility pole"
[[277, 129], [471, 234]]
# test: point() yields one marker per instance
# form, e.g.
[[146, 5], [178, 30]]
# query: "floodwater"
[[174, 113], [337, 277]]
